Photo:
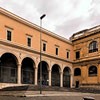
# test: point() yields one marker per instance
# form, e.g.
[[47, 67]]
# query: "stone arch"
[[43, 70], [27, 56], [66, 77], [11, 52], [55, 75], [8, 68], [27, 71]]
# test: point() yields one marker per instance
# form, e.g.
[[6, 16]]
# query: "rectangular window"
[[77, 54], [9, 35], [44, 46], [29, 41], [67, 54], [56, 50]]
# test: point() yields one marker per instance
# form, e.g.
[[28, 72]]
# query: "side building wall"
[[87, 58]]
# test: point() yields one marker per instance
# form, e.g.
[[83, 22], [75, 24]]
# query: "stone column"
[[49, 77], [36, 76], [19, 74], [61, 79], [71, 80]]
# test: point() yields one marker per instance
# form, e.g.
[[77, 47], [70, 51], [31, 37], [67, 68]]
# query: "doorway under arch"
[[44, 70], [55, 75], [27, 71], [66, 77], [8, 68]]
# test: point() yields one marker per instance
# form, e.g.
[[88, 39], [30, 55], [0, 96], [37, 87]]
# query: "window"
[[77, 72], [56, 50], [68, 54], [93, 71], [77, 54], [29, 41], [9, 35], [93, 47], [44, 46]]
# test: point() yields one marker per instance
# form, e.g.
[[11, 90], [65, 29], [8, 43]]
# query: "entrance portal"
[[77, 84]]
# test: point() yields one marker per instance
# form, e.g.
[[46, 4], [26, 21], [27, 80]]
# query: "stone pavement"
[[44, 93]]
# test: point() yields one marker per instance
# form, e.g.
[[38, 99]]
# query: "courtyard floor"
[[46, 95]]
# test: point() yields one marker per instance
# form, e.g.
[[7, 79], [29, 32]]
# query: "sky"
[[62, 17]]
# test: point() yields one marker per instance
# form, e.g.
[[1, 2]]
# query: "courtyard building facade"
[[86, 65], [20, 54], [65, 63]]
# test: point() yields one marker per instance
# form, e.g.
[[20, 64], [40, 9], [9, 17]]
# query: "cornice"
[[85, 36], [32, 25], [87, 61], [87, 33], [28, 49]]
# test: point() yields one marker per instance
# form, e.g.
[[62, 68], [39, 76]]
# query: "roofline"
[[32, 25], [86, 33]]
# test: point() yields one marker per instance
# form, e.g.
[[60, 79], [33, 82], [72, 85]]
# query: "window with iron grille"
[[93, 47], [92, 71]]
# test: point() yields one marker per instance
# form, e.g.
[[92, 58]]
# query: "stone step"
[[34, 88]]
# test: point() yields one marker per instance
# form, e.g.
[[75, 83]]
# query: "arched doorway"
[[66, 77], [27, 71], [55, 75], [44, 73], [8, 68]]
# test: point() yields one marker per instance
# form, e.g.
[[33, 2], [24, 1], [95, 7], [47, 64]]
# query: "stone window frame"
[[92, 71], [93, 46], [56, 50], [67, 53], [44, 49], [28, 36], [10, 30]]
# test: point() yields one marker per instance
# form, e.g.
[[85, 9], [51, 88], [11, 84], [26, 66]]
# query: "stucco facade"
[[18, 51], [87, 43], [65, 63]]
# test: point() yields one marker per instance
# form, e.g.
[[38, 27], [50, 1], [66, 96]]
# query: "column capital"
[[49, 70], [19, 64], [61, 72], [35, 68]]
